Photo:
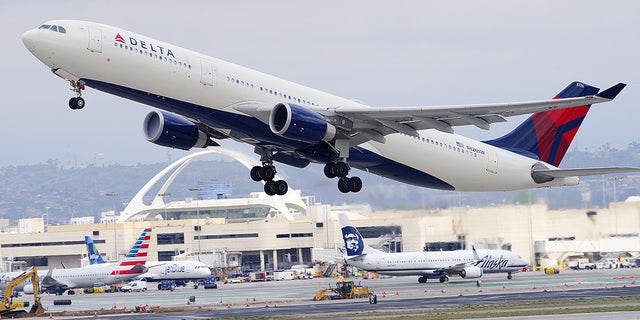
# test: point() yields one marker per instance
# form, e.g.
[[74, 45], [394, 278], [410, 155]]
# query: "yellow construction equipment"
[[344, 290], [8, 306]]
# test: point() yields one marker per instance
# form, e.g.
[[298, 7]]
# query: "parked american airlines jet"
[[178, 271], [469, 264], [202, 98], [58, 281]]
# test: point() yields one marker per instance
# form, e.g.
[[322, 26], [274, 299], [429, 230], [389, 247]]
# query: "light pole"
[[196, 189], [115, 232], [614, 180], [165, 203]]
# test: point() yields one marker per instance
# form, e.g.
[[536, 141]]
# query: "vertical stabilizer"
[[137, 255], [92, 251], [547, 135], [353, 241]]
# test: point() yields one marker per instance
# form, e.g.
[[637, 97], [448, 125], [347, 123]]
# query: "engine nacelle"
[[28, 289], [299, 123], [173, 131], [471, 272]]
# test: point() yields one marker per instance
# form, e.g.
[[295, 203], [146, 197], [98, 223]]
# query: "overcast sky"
[[385, 53]]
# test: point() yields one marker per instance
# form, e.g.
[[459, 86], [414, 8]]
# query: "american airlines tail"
[[92, 250], [353, 241], [547, 135], [137, 256]]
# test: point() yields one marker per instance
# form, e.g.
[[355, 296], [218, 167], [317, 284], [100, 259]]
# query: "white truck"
[[134, 286], [581, 264], [283, 275]]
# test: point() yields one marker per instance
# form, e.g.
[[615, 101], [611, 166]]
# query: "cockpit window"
[[54, 28]]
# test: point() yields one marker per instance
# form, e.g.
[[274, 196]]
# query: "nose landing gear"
[[76, 103]]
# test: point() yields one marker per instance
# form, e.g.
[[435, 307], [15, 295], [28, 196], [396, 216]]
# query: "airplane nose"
[[29, 40]]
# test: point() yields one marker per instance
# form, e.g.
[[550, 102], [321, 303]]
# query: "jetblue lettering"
[[491, 263], [174, 268], [151, 47]]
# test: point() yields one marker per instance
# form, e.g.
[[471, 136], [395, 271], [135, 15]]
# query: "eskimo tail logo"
[[352, 241], [119, 38]]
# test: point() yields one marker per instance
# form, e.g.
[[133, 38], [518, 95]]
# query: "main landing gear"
[[76, 103], [266, 173], [340, 170]]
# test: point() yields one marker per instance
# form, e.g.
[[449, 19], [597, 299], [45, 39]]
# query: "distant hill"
[[33, 190]]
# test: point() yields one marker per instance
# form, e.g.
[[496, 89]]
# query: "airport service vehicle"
[[582, 264], [283, 275], [344, 290], [8, 307], [201, 99], [166, 285], [135, 286], [468, 264]]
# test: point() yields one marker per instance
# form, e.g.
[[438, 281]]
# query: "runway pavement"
[[295, 296]]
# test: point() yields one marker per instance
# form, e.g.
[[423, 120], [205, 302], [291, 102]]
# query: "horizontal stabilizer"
[[544, 175], [612, 92]]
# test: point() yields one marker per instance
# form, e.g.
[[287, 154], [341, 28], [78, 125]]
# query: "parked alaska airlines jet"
[[469, 264], [58, 281], [203, 98], [178, 271]]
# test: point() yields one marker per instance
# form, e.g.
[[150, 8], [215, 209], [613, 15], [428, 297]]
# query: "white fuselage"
[[430, 262], [84, 277], [151, 71]]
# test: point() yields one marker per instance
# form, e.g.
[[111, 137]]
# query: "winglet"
[[612, 92]]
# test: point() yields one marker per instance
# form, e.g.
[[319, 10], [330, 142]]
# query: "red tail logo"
[[119, 38]]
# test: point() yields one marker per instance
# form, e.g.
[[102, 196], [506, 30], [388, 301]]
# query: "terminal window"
[[170, 238]]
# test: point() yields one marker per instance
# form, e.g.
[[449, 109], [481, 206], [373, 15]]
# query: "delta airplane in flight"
[[60, 280], [179, 271], [201, 98], [468, 264]]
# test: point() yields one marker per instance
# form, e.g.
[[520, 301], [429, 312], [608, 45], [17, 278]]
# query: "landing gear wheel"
[[281, 187], [444, 279], [355, 184], [343, 185], [256, 173], [341, 169], [270, 188], [330, 170], [422, 280], [76, 103], [509, 276], [268, 172]]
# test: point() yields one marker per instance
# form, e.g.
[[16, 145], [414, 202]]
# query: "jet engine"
[[471, 272], [28, 289], [173, 131], [299, 123]]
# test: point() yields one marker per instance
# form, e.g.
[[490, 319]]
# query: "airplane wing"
[[544, 175], [363, 123], [49, 284], [374, 123], [456, 268]]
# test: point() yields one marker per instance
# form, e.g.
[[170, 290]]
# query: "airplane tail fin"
[[353, 241], [92, 251], [547, 135], [137, 255]]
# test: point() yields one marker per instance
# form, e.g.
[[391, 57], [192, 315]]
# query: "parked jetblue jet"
[[468, 264], [178, 271], [201, 99]]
